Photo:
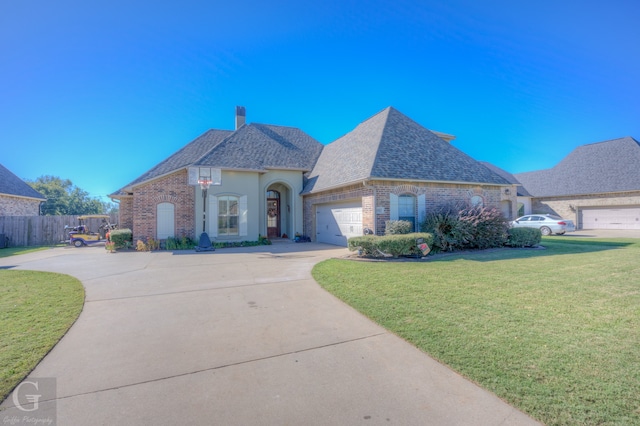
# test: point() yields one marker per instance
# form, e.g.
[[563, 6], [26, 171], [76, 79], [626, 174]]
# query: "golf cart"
[[82, 235]]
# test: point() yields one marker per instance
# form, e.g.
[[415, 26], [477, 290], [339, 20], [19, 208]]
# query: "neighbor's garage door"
[[611, 218], [337, 222]]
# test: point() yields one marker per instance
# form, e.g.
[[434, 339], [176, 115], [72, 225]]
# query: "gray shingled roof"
[[522, 191], [390, 145], [252, 147], [261, 147], [610, 166], [11, 184]]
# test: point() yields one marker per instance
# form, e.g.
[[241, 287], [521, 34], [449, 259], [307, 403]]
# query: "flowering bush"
[[456, 228]]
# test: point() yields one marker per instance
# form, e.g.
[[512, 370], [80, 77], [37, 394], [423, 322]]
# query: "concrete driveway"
[[236, 337]]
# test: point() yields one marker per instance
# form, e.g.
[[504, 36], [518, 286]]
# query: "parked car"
[[547, 223]]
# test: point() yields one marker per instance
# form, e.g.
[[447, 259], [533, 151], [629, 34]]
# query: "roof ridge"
[[607, 141], [385, 130], [225, 139]]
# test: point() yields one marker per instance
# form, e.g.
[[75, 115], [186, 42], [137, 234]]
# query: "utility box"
[[4, 241]]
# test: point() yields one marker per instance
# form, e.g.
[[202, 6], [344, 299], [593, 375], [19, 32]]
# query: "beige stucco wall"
[[18, 206], [237, 184], [291, 207], [254, 185]]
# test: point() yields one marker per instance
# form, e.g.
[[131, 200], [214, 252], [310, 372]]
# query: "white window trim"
[[243, 214]]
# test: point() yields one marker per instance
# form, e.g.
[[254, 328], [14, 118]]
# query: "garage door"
[[611, 218], [337, 222]]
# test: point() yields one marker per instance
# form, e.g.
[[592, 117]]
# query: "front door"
[[273, 218]]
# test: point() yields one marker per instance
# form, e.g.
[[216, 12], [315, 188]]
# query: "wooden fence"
[[41, 230]]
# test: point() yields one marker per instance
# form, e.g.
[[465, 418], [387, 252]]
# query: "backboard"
[[209, 173]]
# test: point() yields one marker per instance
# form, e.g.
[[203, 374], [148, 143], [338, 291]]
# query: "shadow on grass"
[[550, 246]]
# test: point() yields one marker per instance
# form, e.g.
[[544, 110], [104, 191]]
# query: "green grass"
[[36, 310], [13, 251], [554, 332]]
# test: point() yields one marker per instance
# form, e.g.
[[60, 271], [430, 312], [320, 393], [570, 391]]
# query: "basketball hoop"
[[204, 183]]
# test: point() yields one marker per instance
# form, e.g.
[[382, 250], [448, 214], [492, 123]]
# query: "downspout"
[[375, 199]]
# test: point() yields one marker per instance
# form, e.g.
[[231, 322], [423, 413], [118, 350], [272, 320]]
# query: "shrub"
[[122, 238], [396, 227], [448, 233], [141, 246], [394, 245], [231, 244], [264, 240], [524, 237], [458, 227], [153, 244], [483, 227], [184, 243]]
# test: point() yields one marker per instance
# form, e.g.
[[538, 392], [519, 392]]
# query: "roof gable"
[[11, 184], [256, 147], [390, 145], [609, 166], [261, 147]]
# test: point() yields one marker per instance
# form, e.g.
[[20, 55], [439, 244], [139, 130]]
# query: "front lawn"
[[13, 251], [554, 332], [36, 310]]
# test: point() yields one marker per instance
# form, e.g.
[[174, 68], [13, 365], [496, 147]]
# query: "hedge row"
[[524, 237], [121, 237], [390, 245]]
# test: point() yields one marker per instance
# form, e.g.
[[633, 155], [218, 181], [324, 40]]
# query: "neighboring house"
[[278, 181], [524, 198], [17, 198], [597, 185]]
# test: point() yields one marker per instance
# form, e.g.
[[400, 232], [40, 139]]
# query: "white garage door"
[[337, 222], [611, 218]]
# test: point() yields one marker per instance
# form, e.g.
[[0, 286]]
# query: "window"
[[407, 208], [477, 201], [228, 221]]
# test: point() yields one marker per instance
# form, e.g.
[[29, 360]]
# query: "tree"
[[64, 198]]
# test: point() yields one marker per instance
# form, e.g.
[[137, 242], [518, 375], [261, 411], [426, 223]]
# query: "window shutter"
[[242, 212], [422, 209], [213, 216], [393, 207]]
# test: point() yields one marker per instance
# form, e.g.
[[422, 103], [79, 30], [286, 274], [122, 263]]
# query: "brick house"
[[278, 181], [16, 197], [388, 168], [597, 185]]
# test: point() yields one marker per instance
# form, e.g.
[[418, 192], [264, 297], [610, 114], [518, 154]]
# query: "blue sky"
[[99, 92]]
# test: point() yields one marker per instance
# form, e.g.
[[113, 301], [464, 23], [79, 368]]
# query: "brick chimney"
[[241, 117]]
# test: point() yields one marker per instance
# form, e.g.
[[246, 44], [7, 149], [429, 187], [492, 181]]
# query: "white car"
[[547, 223]]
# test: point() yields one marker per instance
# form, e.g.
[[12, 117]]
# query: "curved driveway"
[[237, 337]]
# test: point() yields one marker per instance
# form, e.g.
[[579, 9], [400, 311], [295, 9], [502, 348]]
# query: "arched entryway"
[[278, 208]]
